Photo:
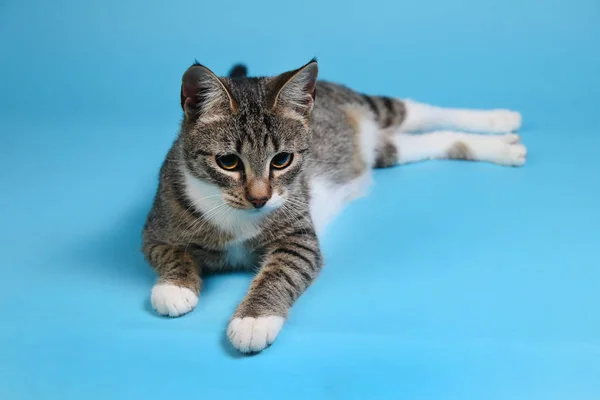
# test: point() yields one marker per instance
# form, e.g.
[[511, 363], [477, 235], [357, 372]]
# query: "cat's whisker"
[[181, 218], [192, 229], [217, 211], [296, 201]]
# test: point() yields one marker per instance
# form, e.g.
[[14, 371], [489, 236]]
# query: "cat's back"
[[336, 124]]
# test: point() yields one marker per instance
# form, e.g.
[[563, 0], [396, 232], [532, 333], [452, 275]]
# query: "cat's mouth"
[[248, 207], [273, 203], [238, 205]]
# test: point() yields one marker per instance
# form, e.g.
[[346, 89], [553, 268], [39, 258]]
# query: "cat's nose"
[[258, 202], [258, 192]]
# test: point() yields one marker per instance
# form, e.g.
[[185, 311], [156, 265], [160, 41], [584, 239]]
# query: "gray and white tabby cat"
[[261, 165]]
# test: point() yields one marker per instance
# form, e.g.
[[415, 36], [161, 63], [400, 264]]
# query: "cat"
[[262, 164]]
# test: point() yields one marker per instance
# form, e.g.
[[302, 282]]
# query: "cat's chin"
[[260, 211], [251, 211]]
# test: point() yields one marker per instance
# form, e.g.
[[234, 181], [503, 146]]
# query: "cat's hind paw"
[[172, 300], [251, 335], [502, 121], [512, 152], [510, 138]]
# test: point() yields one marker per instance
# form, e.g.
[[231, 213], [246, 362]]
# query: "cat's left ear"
[[296, 89]]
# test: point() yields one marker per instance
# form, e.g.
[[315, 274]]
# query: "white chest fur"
[[207, 198], [239, 256]]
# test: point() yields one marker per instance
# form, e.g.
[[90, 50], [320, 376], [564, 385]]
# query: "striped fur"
[[203, 218]]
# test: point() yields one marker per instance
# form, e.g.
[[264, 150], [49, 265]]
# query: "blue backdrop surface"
[[453, 280]]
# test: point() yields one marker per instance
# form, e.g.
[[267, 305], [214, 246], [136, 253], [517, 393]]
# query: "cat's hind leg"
[[422, 117], [497, 149], [406, 131]]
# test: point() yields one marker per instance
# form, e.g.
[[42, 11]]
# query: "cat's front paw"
[[251, 335], [172, 300], [502, 121]]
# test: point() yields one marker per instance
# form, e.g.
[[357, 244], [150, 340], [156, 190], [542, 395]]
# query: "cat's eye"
[[281, 160], [229, 162]]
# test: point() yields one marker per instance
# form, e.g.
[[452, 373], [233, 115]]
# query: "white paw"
[[512, 154], [172, 300], [250, 335], [510, 138], [502, 121]]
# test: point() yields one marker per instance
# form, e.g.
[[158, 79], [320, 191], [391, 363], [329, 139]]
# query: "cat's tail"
[[238, 71]]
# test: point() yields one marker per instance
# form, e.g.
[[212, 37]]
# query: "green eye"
[[282, 160], [229, 162]]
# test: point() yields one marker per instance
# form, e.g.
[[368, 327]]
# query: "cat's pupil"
[[229, 161], [281, 160]]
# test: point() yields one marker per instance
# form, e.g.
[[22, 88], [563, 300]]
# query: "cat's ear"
[[202, 92], [296, 89]]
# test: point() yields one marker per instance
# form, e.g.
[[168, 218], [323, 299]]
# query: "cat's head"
[[245, 139]]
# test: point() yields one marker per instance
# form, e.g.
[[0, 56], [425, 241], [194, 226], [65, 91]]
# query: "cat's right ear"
[[203, 92]]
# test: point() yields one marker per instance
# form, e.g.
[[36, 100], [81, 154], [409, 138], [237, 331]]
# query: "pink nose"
[[258, 202]]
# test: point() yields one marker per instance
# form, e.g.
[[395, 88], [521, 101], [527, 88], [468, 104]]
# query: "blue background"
[[453, 280]]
